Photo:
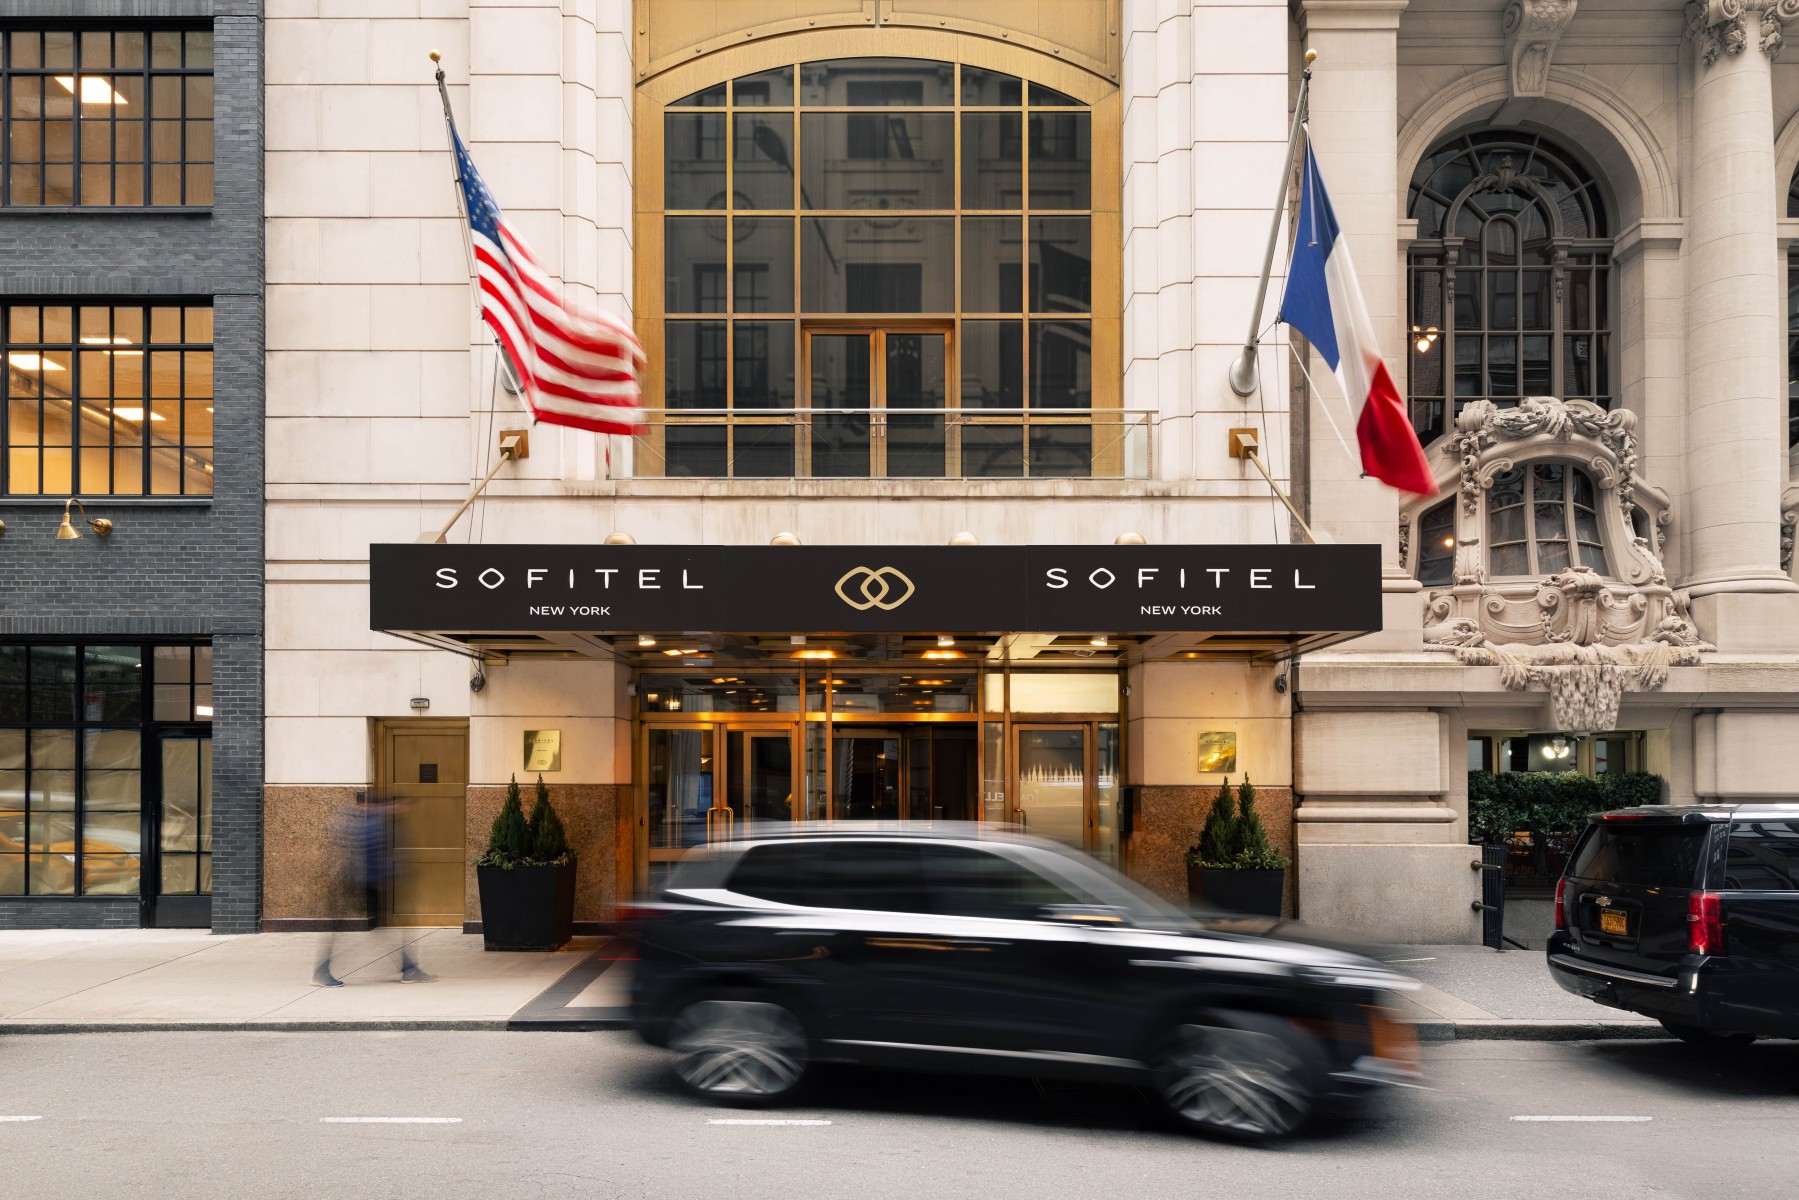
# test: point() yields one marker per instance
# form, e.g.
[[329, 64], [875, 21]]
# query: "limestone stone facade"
[[385, 398]]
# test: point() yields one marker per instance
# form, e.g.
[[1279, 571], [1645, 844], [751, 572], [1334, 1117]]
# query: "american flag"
[[579, 369]]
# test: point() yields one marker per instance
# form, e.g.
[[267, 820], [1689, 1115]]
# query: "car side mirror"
[[1098, 915]]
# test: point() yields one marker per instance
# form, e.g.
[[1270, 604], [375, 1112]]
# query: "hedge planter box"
[[527, 908], [1257, 892]]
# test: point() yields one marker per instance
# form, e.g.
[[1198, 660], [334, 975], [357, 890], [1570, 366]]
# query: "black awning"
[[1285, 593]]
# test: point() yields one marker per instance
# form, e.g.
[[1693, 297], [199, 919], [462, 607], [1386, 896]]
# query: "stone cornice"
[[1349, 14], [1722, 28]]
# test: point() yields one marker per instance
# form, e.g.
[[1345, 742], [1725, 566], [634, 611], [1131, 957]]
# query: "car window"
[[1654, 855], [1763, 856], [968, 882], [873, 876]]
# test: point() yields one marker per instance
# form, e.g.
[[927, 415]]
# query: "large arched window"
[[882, 267], [1509, 278]]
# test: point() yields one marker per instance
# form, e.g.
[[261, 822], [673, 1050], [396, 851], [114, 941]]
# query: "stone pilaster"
[[1354, 119], [1730, 526]]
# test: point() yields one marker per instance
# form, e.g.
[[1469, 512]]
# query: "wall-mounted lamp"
[[1424, 337], [66, 532], [1558, 749]]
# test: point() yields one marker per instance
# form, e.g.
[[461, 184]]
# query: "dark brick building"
[[131, 304]]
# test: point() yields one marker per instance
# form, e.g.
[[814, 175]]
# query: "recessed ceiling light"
[[644, 641], [944, 639], [32, 362], [942, 654]]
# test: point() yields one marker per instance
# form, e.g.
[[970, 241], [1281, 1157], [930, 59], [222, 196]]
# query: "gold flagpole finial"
[[1311, 56], [436, 57]]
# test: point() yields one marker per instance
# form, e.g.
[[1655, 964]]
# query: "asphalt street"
[[596, 1115]]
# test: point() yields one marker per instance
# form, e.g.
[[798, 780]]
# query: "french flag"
[[1324, 302]]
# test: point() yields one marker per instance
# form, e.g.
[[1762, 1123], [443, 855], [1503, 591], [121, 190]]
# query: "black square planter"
[[1257, 892], [527, 908]]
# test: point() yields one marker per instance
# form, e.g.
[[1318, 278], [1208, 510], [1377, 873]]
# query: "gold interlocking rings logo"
[[874, 588]]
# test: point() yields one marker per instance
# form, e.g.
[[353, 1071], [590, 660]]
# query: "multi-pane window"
[[1542, 519], [107, 400], [1509, 279], [106, 118], [897, 235], [82, 778], [1436, 545]]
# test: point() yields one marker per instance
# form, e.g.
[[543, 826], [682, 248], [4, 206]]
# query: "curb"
[[1537, 1031], [489, 1025], [1428, 1031]]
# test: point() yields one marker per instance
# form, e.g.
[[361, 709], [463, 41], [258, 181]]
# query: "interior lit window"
[[106, 118], [878, 267], [107, 400], [1509, 278]]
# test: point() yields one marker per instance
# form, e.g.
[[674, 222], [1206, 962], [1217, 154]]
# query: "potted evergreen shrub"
[[527, 877], [1234, 867]]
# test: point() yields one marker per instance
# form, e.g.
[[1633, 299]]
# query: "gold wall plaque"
[[1217, 752], [543, 750]]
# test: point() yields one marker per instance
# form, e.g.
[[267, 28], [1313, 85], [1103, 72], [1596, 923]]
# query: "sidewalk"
[[69, 981]]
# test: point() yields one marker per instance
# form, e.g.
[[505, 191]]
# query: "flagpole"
[[1243, 374]]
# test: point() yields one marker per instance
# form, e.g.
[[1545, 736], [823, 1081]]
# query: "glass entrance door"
[[877, 397], [706, 781], [911, 773], [1068, 784]]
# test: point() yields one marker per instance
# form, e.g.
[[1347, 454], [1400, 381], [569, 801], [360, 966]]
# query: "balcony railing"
[[908, 443]]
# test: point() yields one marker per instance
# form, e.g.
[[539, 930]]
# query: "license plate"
[[1614, 922]]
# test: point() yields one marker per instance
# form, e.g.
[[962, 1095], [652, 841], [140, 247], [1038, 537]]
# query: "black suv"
[[1688, 914], [967, 950]]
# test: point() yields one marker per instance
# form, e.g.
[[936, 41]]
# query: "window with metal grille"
[[107, 400], [1509, 279], [106, 118]]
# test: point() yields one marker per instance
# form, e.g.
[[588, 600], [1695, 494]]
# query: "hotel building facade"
[[941, 511]]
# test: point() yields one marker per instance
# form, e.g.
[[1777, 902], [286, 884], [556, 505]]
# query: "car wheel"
[[1693, 1035], [1251, 1081], [739, 1049]]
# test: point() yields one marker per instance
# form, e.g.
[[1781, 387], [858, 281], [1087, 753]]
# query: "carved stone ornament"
[[1722, 27], [1585, 636], [1532, 28]]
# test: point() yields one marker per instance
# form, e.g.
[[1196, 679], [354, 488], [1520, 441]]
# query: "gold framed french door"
[[705, 780], [879, 398]]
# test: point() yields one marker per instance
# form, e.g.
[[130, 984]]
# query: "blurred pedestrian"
[[361, 834]]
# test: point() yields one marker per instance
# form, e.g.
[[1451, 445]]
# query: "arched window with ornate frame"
[[880, 254], [1508, 281]]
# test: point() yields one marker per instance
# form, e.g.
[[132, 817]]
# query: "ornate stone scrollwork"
[[1532, 28], [1585, 636]]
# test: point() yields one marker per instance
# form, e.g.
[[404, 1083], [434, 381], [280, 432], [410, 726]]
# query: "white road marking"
[[390, 1120], [1585, 1118], [21, 1118], [1407, 960], [762, 1121]]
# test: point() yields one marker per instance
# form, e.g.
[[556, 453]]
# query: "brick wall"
[[171, 567]]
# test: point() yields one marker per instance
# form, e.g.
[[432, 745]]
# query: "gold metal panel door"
[[428, 784]]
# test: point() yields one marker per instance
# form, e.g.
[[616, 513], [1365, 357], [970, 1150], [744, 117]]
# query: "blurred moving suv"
[[1688, 914], [967, 950]]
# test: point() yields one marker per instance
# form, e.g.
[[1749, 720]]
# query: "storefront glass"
[[105, 770]]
